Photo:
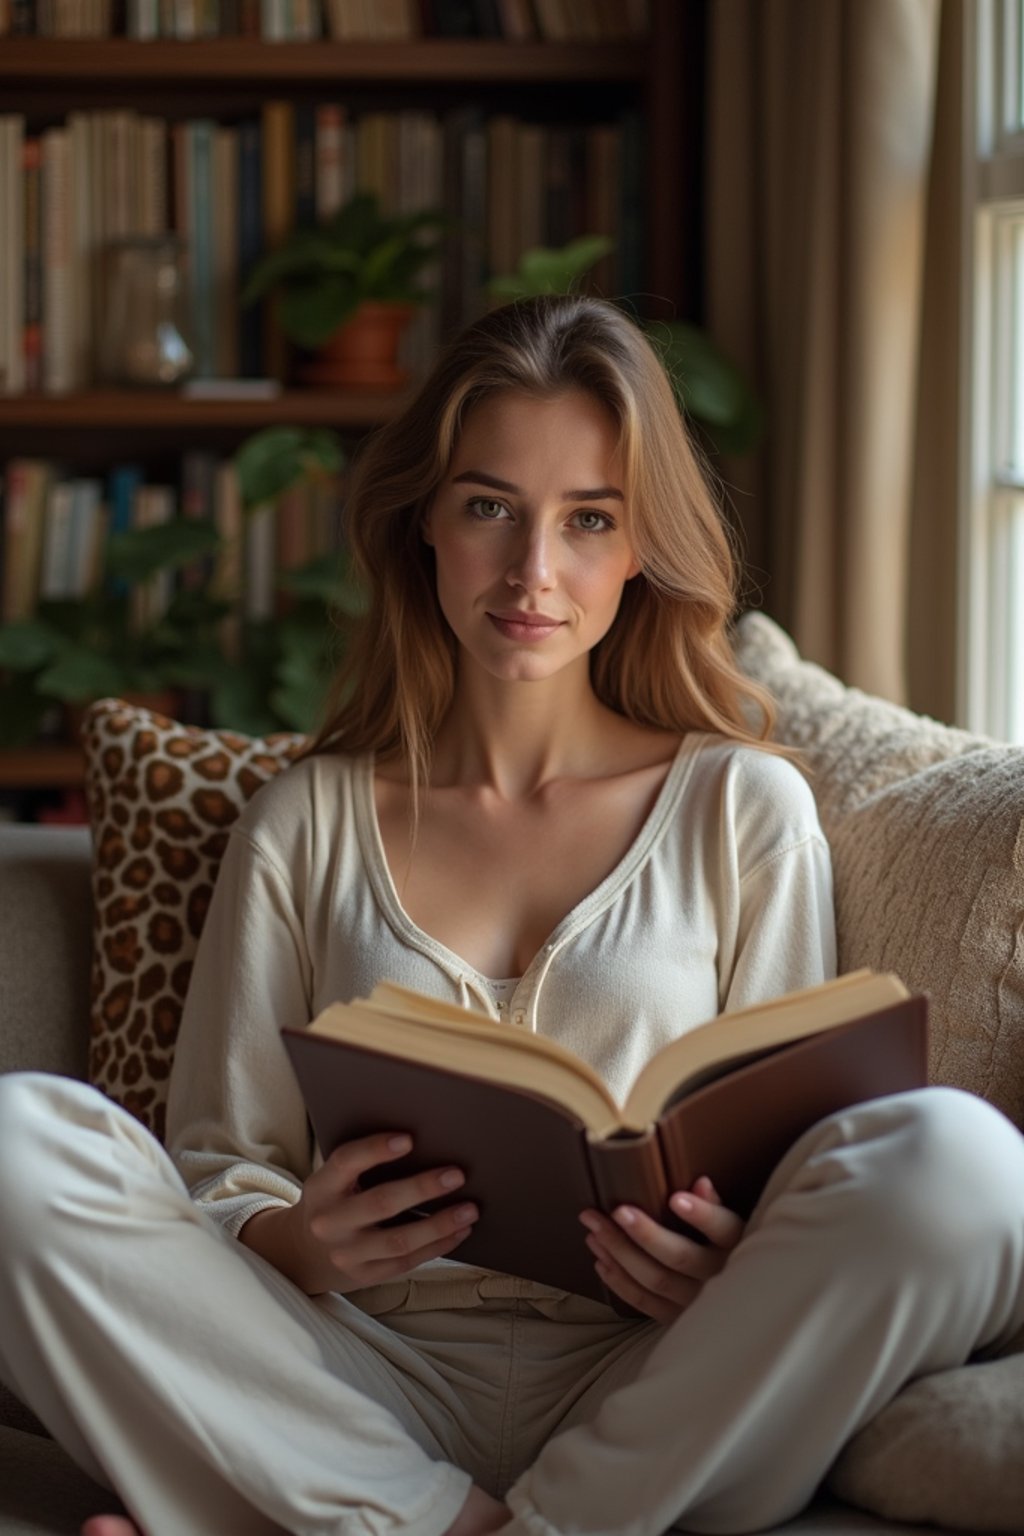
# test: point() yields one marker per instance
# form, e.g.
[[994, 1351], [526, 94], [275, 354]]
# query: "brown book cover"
[[532, 1163]]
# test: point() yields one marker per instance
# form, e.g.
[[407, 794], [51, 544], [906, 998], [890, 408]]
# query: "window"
[[992, 545]]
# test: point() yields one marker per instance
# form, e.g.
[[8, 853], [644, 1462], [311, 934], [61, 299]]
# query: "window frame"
[[990, 641]]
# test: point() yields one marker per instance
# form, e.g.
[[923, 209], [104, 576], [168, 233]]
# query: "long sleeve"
[[237, 1126], [778, 928]]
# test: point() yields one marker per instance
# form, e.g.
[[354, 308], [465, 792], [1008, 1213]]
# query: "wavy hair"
[[666, 661]]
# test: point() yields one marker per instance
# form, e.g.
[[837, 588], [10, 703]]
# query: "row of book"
[[54, 529], [343, 20], [232, 190]]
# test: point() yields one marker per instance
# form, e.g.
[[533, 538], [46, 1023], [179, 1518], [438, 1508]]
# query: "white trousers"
[[219, 1400]]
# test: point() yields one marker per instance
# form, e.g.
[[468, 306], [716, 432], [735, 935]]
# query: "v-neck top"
[[723, 899]]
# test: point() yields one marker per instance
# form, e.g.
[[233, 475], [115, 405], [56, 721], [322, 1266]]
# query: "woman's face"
[[528, 530]]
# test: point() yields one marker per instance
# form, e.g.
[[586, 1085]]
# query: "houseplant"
[[75, 650], [709, 388], [347, 288], [289, 659]]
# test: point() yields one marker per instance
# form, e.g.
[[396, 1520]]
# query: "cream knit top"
[[724, 899]]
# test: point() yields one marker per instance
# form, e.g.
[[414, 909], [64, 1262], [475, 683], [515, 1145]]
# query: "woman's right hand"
[[332, 1238]]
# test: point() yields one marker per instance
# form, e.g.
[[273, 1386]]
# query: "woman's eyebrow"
[[477, 477]]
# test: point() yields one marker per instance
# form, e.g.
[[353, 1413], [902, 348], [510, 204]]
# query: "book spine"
[[12, 294], [88, 526], [88, 307], [153, 160], [330, 161], [33, 332], [57, 557], [225, 252], [27, 482], [203, 289], [278, 213], [227, 573], [629, 1170], [123, 484], [250, 244], [58, 255], [305, 164]]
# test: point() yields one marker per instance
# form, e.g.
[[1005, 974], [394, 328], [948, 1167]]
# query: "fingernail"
[[466, 1213], [451, 1179], [591, 1223], [681, 1203], [626, 1215], [399, 1143]]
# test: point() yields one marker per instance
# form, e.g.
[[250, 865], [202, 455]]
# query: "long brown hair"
[[665, 662]]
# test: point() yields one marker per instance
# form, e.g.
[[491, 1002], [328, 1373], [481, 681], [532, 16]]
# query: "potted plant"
[[288, 660], [75, 650], [709, 388], [347, 288]]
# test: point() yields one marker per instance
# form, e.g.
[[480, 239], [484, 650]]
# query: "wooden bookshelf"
[[119, 61], [114, 410], [43, 767], [229, 78]]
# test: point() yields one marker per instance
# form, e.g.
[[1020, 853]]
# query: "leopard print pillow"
[[161, 798]]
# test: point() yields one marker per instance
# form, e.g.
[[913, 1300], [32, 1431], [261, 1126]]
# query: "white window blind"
[[992, 543]]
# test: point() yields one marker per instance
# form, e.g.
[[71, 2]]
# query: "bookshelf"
[[45, 78]]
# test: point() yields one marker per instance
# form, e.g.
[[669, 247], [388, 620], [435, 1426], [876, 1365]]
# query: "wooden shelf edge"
[[116, 410], [54, 767], [244, 61]]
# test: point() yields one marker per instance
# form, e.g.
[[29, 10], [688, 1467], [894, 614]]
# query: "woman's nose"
[[531, 564]]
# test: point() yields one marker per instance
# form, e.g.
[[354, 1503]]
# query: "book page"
[[399, 1022], [723, 1042]]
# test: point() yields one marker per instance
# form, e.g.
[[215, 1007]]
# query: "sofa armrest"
[[45, 948]]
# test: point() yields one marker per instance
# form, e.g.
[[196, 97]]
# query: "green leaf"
[[711, 388], [28, 645], [312, 311], [78, 675], [326, 580], [22, 711], [139, 553], [271, 461], [545, 269], [238, 702]]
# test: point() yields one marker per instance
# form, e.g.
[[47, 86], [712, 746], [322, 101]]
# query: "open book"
[[540, 1138]]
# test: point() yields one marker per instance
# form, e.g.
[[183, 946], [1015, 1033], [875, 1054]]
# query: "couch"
[[927, 830]]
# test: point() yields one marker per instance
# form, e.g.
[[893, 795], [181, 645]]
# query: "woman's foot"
[[110, 1525], [479, 1516]]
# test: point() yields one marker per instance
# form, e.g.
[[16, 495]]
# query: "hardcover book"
[[540, 1138]]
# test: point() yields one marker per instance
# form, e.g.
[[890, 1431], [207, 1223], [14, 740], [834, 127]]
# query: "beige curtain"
[[822, 127]]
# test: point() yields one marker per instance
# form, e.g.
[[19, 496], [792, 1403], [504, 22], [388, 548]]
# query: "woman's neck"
[[515, 738]]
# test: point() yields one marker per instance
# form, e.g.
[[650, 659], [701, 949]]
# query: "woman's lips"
[[524, 626]]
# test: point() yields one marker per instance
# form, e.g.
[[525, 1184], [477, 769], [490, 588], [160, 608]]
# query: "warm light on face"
[[528, 531]]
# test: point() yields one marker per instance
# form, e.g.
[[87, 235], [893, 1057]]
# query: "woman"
[[542, 795]]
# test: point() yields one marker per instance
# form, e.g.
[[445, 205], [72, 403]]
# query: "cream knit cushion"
[[926, 826]]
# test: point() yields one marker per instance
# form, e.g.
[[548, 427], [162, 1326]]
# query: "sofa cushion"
[[926, 826], [161, 798], [948, 1448]]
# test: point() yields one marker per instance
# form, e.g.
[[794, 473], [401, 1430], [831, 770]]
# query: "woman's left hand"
[[658, 1271]]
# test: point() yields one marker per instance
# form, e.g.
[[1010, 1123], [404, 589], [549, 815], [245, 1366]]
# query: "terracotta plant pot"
[[363, 353]]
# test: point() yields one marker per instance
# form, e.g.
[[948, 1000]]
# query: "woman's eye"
[[487, 508], [593, 522]]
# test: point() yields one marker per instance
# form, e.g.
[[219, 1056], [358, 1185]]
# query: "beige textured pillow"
[[161, 799], [926, 826], [949, 1449]]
